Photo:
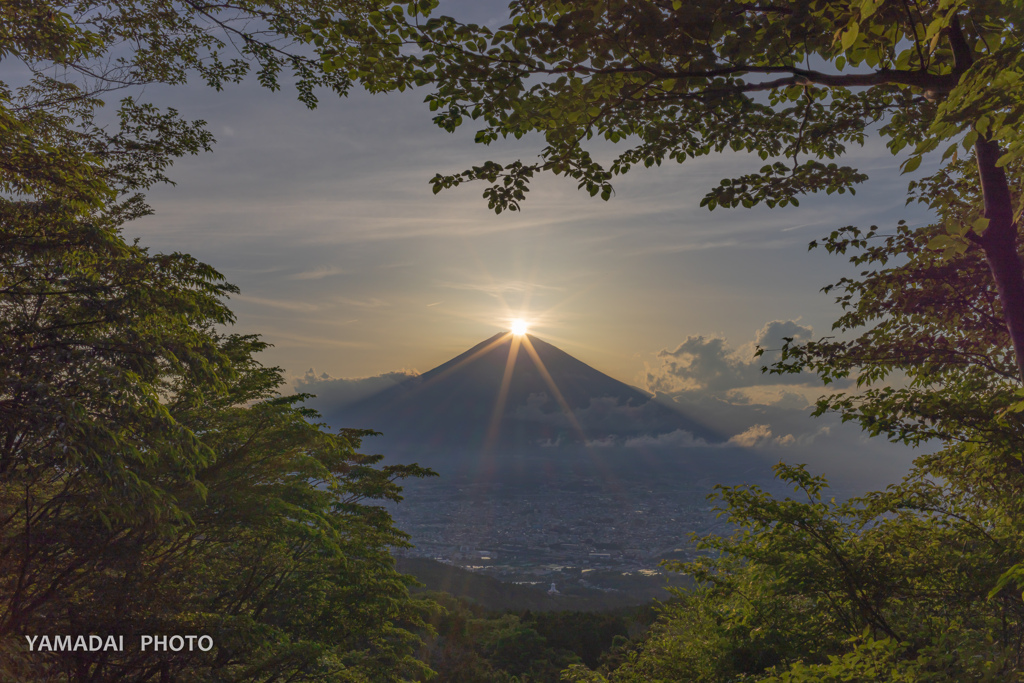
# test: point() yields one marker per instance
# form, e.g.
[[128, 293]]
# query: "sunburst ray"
[[546, 376], [499, 406]]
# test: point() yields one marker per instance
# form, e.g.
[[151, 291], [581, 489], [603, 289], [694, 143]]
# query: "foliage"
[[73, 54], [470, 644], [912, 583], [920, 582], [677, 80], [590, 635], [151, 481], [890, 587]]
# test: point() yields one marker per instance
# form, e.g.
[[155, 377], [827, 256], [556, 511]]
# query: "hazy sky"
[[351, 266]]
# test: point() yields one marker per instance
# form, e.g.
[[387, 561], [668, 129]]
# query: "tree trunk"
[[999, 241]]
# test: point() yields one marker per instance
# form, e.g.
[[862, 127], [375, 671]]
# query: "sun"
[[519, 327]]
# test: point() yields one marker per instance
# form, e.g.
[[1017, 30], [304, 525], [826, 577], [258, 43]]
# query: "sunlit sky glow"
[[329, 227], [351, 267]]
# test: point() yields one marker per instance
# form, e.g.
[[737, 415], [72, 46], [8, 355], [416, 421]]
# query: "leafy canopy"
[[919, 582], [152, 480], [67, 57], [794, 82]]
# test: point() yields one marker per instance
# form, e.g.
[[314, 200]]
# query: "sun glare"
[[519, 327]]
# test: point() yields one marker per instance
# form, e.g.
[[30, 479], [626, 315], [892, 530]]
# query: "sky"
[[350, 264], [352, 268]]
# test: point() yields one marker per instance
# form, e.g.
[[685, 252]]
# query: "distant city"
[[535, 535]]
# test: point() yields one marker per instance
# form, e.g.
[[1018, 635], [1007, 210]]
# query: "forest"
[[154, 479]]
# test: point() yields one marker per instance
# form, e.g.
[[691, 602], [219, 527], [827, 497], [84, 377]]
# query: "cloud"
[[760, 436], [371, 302], [722, 386], [317, 273], [340, 392], [498, 289], [291, 305], [680, 438], [756, 436], [286, 339], [709, 365]]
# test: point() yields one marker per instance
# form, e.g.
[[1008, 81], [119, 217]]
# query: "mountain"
[[511, 398]]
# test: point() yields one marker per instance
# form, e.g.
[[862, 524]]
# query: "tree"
[[921, 581], [894, 586], [469, 644], [75, 295], [71, 55], [151, 479], [794, 82]]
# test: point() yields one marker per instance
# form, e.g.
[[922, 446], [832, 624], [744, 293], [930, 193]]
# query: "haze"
[[352, 268]]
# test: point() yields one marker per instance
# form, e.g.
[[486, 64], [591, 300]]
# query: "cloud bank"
[[339, 392], [709, 365]]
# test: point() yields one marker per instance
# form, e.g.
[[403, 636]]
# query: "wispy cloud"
[[286, 339], [317, 273], [680, 438], [371, 302], [290, 304], [501, 288]]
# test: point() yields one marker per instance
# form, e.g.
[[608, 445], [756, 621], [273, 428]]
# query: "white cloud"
[[498, 289], [711, 366], [756, 436], [371, 302], [760, 436], [317, 273]]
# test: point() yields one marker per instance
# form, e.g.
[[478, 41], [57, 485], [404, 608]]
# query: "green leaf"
[[911, 164], [850, 36]]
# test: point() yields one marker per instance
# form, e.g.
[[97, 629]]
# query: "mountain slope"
[[511, 393]]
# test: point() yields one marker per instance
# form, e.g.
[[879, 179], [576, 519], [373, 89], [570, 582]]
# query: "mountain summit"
[[513, 394]]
